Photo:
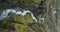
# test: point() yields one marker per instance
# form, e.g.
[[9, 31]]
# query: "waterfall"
[[17, 12]]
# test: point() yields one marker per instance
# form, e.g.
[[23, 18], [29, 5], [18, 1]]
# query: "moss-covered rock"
[[19, 27], [22, 28], [22, 19], [18, 23]]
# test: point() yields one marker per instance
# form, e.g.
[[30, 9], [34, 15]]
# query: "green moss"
[[23, 19], [16, 20], [19, 28], [46, 20], [5, 20], [22, 28]]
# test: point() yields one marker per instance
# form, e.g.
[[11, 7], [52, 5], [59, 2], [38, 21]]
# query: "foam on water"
[[5, 13]]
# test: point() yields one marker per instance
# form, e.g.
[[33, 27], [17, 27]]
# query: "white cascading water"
[[5, 13]]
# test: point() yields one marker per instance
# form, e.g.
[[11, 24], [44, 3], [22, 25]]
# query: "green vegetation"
[[18, 23], [24, 4]]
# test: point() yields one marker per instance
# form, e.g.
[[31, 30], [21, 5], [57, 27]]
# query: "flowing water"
[[7, 11]]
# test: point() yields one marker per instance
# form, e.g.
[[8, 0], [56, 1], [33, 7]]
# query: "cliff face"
[[42, 9]]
